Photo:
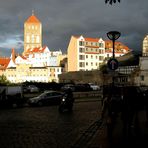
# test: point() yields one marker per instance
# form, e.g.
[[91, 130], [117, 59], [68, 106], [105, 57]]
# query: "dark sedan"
[[46, 98]]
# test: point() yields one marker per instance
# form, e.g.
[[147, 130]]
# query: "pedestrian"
[[108, 114], [69, 96], [130, 108]]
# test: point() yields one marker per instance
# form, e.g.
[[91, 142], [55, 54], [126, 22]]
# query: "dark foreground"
[[45, 127], [41, 127], [136, 138]]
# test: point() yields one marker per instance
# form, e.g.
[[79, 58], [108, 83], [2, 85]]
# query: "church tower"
[[145, 46], [32, 33]]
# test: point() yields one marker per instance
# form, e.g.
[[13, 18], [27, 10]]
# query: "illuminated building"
[[89, 53], [37, 63], [145, 46], [32, 33]]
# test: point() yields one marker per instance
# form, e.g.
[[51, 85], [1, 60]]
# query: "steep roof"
[[88, 39], [24, 58], [118, 45], [4, 62], [36, 50], [76, 36], [32, 19]]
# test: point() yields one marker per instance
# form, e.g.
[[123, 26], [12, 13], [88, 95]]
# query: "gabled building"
[[40, 65], [120, 49], [85, 54]]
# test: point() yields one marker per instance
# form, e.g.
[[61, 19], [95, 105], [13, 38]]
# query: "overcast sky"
[[63, 18]]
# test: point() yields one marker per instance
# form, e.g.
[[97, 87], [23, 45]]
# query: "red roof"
[[32, 19], [36, 50], [92, 39], [4, 62], [89, 39], [118, 45], [23, 57]]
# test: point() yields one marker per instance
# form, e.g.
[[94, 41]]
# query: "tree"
[[3, 80], [111, 1], [103, 69]]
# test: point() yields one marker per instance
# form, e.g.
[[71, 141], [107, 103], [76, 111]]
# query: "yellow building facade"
[[25, 72]]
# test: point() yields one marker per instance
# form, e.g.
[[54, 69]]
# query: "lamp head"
[[113, 35]]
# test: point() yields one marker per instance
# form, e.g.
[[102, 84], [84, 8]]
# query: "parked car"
[[94, 86], [32, 88], [68, 86], [11, 96], [82, 87], [46, 98]]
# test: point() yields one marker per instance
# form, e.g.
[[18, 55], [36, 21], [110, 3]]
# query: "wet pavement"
[[137, 138], [41, 127]]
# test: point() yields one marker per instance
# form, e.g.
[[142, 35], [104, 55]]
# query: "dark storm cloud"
[[63, 18]]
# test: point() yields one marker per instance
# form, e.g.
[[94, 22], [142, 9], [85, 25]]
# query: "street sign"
[[112, 64]]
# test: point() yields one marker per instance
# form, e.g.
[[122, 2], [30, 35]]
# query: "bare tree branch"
[[111, 1]]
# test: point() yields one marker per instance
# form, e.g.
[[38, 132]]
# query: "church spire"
[[32, 12]]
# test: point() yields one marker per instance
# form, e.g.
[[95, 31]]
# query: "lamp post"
[[113, 63]]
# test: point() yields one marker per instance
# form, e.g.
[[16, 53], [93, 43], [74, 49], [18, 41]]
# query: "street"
[[41, 127]]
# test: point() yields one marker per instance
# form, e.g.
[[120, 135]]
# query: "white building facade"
[[41, 65], [89, 53]]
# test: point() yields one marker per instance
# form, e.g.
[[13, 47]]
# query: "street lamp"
[[113, 63], [113, 35]]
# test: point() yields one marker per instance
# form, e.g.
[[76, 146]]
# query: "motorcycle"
[[66, 104]]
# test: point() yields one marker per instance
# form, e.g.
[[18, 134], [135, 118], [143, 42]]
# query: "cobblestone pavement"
[[41, 127], [136, 138]]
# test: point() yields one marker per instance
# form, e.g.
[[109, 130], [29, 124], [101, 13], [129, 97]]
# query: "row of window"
[[83, 43], [34, 70], [86, 69], [51, 75], [33, 39], [82, 57], [32, 46], [126, 69], [83, 64], [32, 27], [101, 51]]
